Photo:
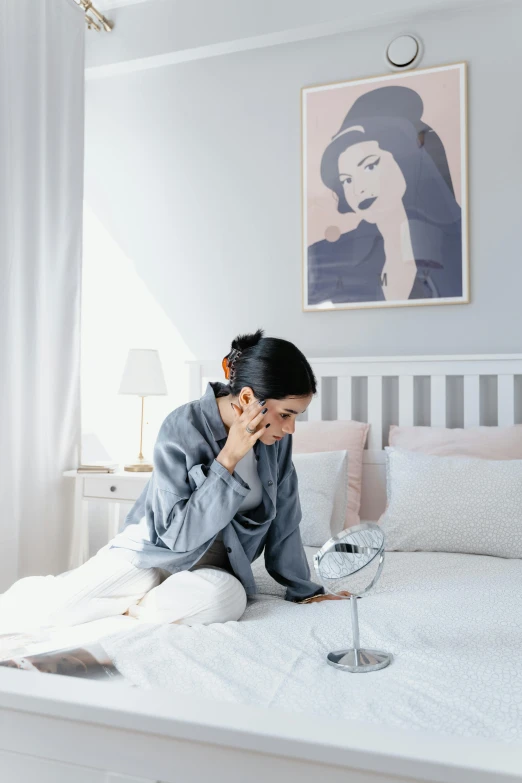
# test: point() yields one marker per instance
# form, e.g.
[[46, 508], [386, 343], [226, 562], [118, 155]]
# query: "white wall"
[[195, 170]]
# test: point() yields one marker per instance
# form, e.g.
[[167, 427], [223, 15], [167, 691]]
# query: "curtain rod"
[[100, 20]]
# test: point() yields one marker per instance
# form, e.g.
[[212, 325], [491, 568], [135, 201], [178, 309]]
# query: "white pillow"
[[323, 478], [453, 504]]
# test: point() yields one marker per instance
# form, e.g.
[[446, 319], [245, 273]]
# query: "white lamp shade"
[[143, 373]]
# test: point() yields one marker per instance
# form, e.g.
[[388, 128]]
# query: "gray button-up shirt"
[[190, 497]]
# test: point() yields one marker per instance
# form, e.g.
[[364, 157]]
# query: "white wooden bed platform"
[[58, 729], [62, 730]]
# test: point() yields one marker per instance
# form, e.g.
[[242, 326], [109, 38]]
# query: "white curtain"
[[41, 192]]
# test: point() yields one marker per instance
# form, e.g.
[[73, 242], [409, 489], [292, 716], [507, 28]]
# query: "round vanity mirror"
[[344, 564]]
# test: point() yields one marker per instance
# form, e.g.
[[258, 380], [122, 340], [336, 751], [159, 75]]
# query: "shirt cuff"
[[234, 481], [298, 599]]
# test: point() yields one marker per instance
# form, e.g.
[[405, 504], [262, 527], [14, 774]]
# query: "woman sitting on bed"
[[223, 490]]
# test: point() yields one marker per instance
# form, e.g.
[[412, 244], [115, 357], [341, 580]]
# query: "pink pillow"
[[312, 436], [480, 442]]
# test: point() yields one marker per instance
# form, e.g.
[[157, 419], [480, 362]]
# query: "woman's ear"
[[246, 396]]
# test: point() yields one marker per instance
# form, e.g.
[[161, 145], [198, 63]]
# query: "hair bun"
[[244, 341]]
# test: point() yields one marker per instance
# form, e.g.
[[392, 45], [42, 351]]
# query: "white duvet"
[[452, 622]]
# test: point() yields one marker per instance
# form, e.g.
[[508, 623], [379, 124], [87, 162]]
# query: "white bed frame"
[[60, 730]]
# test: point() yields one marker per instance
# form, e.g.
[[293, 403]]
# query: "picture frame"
[[385, 213]]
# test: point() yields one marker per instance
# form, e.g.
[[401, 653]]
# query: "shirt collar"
[[210, 410]]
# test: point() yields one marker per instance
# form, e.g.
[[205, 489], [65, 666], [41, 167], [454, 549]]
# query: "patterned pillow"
[[453, 504]]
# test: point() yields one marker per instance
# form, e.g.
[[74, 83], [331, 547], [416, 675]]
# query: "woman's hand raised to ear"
[[240, 440]]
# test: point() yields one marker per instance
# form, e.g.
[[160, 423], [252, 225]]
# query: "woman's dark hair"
[[273, 368], [392, 116]]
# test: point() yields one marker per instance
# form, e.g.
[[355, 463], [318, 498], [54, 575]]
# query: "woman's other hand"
[[338, 597]]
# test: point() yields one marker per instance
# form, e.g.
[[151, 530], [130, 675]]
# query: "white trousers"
[[108, 585]]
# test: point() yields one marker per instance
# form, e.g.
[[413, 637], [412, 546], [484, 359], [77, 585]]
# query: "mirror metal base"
[[359, 661]]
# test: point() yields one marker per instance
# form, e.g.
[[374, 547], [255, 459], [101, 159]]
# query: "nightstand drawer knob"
[[113, 489]]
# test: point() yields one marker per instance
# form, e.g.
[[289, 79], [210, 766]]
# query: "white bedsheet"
[[453, 623]]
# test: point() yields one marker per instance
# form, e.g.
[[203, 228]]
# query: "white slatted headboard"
[[439, 391]]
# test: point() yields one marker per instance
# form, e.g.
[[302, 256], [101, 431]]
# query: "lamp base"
[[359, 661], [140, 467]]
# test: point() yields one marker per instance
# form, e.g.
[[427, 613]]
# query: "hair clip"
[[228, 363], [234, 354]]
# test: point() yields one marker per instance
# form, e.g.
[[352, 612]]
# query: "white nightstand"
[[111, 488]]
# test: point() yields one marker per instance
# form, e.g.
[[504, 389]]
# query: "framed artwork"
[[385, 195]]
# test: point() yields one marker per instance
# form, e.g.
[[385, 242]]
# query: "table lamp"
[[142, 375]]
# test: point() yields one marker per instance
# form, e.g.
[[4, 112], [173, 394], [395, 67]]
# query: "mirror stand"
[[355, 659]]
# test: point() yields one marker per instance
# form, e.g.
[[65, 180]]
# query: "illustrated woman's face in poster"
[[372, 181]]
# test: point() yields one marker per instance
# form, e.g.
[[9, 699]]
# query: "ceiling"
[[154, 33]]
